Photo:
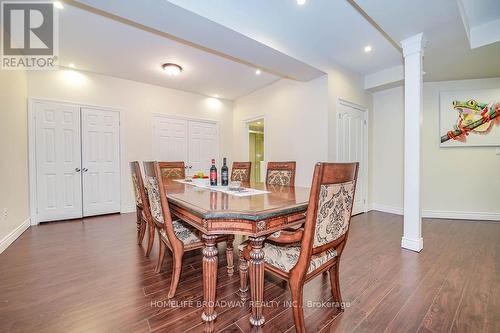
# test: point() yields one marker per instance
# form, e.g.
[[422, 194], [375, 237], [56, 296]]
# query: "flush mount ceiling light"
[[71, 65], [258, 71], [58, 5], [301, 2], [171, 69], [368, 48]]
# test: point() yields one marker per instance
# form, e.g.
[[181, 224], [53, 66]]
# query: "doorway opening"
[[256, 149]]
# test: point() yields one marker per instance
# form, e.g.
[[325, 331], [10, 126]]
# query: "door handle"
[[190, 167], [85, 169], [77, 169]]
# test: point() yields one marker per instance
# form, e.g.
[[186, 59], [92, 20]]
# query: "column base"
[[412, 244]]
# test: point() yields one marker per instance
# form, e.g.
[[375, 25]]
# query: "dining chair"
[[299, 256], [281, 173], [172, 170], [175, 234], [241, 171], [142, 208]]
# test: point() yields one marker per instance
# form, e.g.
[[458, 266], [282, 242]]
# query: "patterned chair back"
[[329, 210], [141, 198], [172, 170], [241, 171], [281, 173], [158, 202]]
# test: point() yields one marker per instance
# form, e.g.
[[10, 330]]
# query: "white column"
[[413, 51]]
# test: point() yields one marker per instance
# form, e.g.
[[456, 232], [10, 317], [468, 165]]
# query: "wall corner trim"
[[14, 234]]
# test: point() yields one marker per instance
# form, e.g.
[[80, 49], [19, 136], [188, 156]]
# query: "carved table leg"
[[243, 277], [230, 255], [209, 277], [256, 268]]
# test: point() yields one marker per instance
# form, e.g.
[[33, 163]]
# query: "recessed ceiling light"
[[58, 5], [368, 48], [258, 72], [172, 69], [72, 65], [301, 2], [216, 95]]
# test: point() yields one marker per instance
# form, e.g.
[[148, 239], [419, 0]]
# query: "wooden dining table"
[[216, 213]]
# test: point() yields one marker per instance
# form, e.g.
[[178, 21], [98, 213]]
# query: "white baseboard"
[[444, 214], [127, 209], [440, 214], [13, 235], [387, 209], [412, 244]]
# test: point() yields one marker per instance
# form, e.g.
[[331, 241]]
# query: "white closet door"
[[100, 161], [351, 147], [170, 139], [58, 161], [203, 146]]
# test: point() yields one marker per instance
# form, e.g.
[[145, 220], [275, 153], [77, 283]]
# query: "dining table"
[[215, 213]]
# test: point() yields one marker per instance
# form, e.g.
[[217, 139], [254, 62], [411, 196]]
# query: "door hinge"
[[364, 121]]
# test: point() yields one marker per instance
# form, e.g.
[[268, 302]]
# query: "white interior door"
[[352, 133], [100, 161], [203, 146], [58, 161], [170, 139]]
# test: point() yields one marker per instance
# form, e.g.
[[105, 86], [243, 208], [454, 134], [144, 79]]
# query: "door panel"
[[351, 147], [170, 139], [203, 146], [58, 161], [100, 161]]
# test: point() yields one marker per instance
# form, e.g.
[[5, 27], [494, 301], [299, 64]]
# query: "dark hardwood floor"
[[90, 276]]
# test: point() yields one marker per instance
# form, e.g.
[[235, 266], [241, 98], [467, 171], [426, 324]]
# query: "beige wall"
[[455, 180], [138, 102], [388, 148], [13, 153], [296, 123], [349, 86]]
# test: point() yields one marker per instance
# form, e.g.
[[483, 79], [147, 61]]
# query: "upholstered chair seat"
[[285, 257], [302, 254], [184, 232], [175, 234]]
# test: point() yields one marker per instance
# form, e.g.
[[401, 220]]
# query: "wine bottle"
[[224, 173], [213, 174]]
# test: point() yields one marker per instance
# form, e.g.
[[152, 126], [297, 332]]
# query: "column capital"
[[414, 44]]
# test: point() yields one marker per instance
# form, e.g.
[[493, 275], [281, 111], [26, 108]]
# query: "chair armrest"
[[287, 237]]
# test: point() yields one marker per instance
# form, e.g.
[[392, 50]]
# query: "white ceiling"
[[321, 32], [99, 44], [447, 55], [479, 12], [220, 42], [173, 22], [326, 31]]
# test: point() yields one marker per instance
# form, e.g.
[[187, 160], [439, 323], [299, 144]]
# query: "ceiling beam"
[[176, 23]]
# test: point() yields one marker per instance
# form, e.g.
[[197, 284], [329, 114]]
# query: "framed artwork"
[[469, 118]]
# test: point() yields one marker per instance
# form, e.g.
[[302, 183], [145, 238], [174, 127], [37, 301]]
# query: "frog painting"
[[473, 117]]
